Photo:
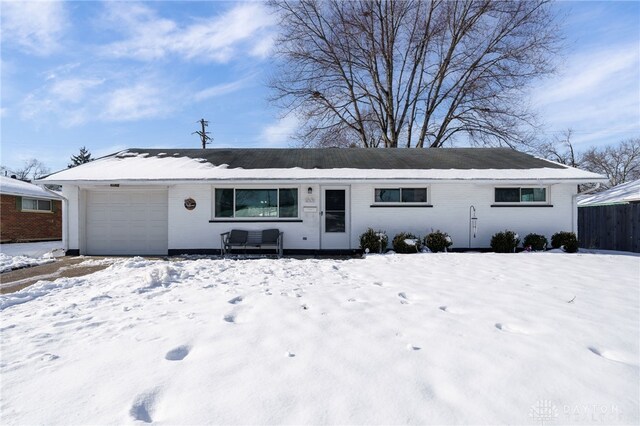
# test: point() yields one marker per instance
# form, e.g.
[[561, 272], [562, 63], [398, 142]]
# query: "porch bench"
[[265, 239]]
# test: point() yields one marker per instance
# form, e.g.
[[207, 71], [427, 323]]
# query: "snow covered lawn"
[[420, 339], [21, 255]]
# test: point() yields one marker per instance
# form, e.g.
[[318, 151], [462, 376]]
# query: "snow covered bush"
[[504, 242], [406, 242], [567, 240], [537, 242], [438, 241], [375, 241]]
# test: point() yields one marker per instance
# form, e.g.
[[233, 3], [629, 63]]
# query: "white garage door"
[[127, 222]]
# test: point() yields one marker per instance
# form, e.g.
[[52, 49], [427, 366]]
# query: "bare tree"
[[412, 73], [619, 163], [31, 170], [560, 150]]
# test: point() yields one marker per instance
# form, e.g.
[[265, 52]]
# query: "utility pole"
[[204, 135]]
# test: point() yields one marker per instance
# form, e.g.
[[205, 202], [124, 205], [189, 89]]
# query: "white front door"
[[125, 222], [335, 218]]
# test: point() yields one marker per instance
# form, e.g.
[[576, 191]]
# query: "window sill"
[[401, 205], [522, 205], [36, 211], [234, 220]]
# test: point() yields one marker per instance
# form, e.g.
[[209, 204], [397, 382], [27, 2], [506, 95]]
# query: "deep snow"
[[423, 338]]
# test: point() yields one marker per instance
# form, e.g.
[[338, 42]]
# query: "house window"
[[252, 203], [36, 205], [401, 195], [521, 195]]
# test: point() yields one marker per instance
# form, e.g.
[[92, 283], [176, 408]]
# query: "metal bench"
[[265, 239]]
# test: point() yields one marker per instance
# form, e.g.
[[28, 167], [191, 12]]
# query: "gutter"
[[235, 180]]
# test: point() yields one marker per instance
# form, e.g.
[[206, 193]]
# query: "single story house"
[[28, 212], [173, 201], [610, 220]]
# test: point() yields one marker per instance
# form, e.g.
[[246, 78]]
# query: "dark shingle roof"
[[360, 158]]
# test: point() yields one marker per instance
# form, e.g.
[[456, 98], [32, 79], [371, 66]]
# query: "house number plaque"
[[189, 204]]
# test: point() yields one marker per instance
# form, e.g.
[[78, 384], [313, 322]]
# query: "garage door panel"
[[127, 222]]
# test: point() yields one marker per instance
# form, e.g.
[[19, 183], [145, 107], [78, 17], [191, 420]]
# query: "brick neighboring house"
[[28, 212]]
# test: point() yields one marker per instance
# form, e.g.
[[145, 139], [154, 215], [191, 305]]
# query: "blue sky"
[[111, 75]]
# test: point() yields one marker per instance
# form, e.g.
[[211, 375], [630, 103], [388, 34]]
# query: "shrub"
[[567, 240], [402, 243], [504, 242], [375, 241], [438, 241], [535, 241]]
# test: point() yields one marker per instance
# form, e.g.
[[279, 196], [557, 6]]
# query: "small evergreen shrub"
[[401, 243], [438, 241], [535, 241], [567, 240], [504, 242], [375, 241]]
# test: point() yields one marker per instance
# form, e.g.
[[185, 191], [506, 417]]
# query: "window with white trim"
[[521, 195], [400, 195], [256, 203], [32, 204]]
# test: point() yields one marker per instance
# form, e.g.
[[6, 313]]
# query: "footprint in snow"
[[510, 328], [230, 318], [403, 298], [289, 354], [443, 308], [236, 300], [178, 354], [413, 348], [614, 356], [143, 406], [378, 283]]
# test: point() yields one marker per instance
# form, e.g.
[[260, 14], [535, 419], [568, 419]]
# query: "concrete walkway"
[[13, 281]]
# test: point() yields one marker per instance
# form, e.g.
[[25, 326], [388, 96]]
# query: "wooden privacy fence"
[[611, 227]]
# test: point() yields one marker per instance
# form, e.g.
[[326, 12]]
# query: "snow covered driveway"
[[398, 339], [22, 255]]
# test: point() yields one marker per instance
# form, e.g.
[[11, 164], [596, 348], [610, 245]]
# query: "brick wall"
[[17, 225]]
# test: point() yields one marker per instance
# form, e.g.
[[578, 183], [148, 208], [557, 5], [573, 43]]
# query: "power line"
[[204, 135]]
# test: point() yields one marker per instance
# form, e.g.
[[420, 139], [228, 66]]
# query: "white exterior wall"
[[193, 229], [71, 217], [450, 213]]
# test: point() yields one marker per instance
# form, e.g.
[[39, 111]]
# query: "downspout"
[[65, 218]]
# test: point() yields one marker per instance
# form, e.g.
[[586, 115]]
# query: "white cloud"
[[597, 95], [73, 89], [222, 89], [36, 26], [280, 133], [218, 39], [140, 101]]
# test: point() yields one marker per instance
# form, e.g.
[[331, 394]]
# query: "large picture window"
[[251, 203], [400, 195], [521, 195], [36, 205]]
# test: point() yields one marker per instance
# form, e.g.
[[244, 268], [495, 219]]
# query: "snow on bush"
[[438, 241], [406, 242]]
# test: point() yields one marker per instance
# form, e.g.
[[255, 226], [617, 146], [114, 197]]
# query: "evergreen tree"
[[83, 157]]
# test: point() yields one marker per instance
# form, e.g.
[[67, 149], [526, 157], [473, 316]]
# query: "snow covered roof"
[[620, 194], [10, 186], [320, 164]]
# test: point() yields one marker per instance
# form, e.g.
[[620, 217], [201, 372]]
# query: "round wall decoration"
[[189, 204]]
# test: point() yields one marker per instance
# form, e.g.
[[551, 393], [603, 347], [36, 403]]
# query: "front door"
[[335, 218]]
